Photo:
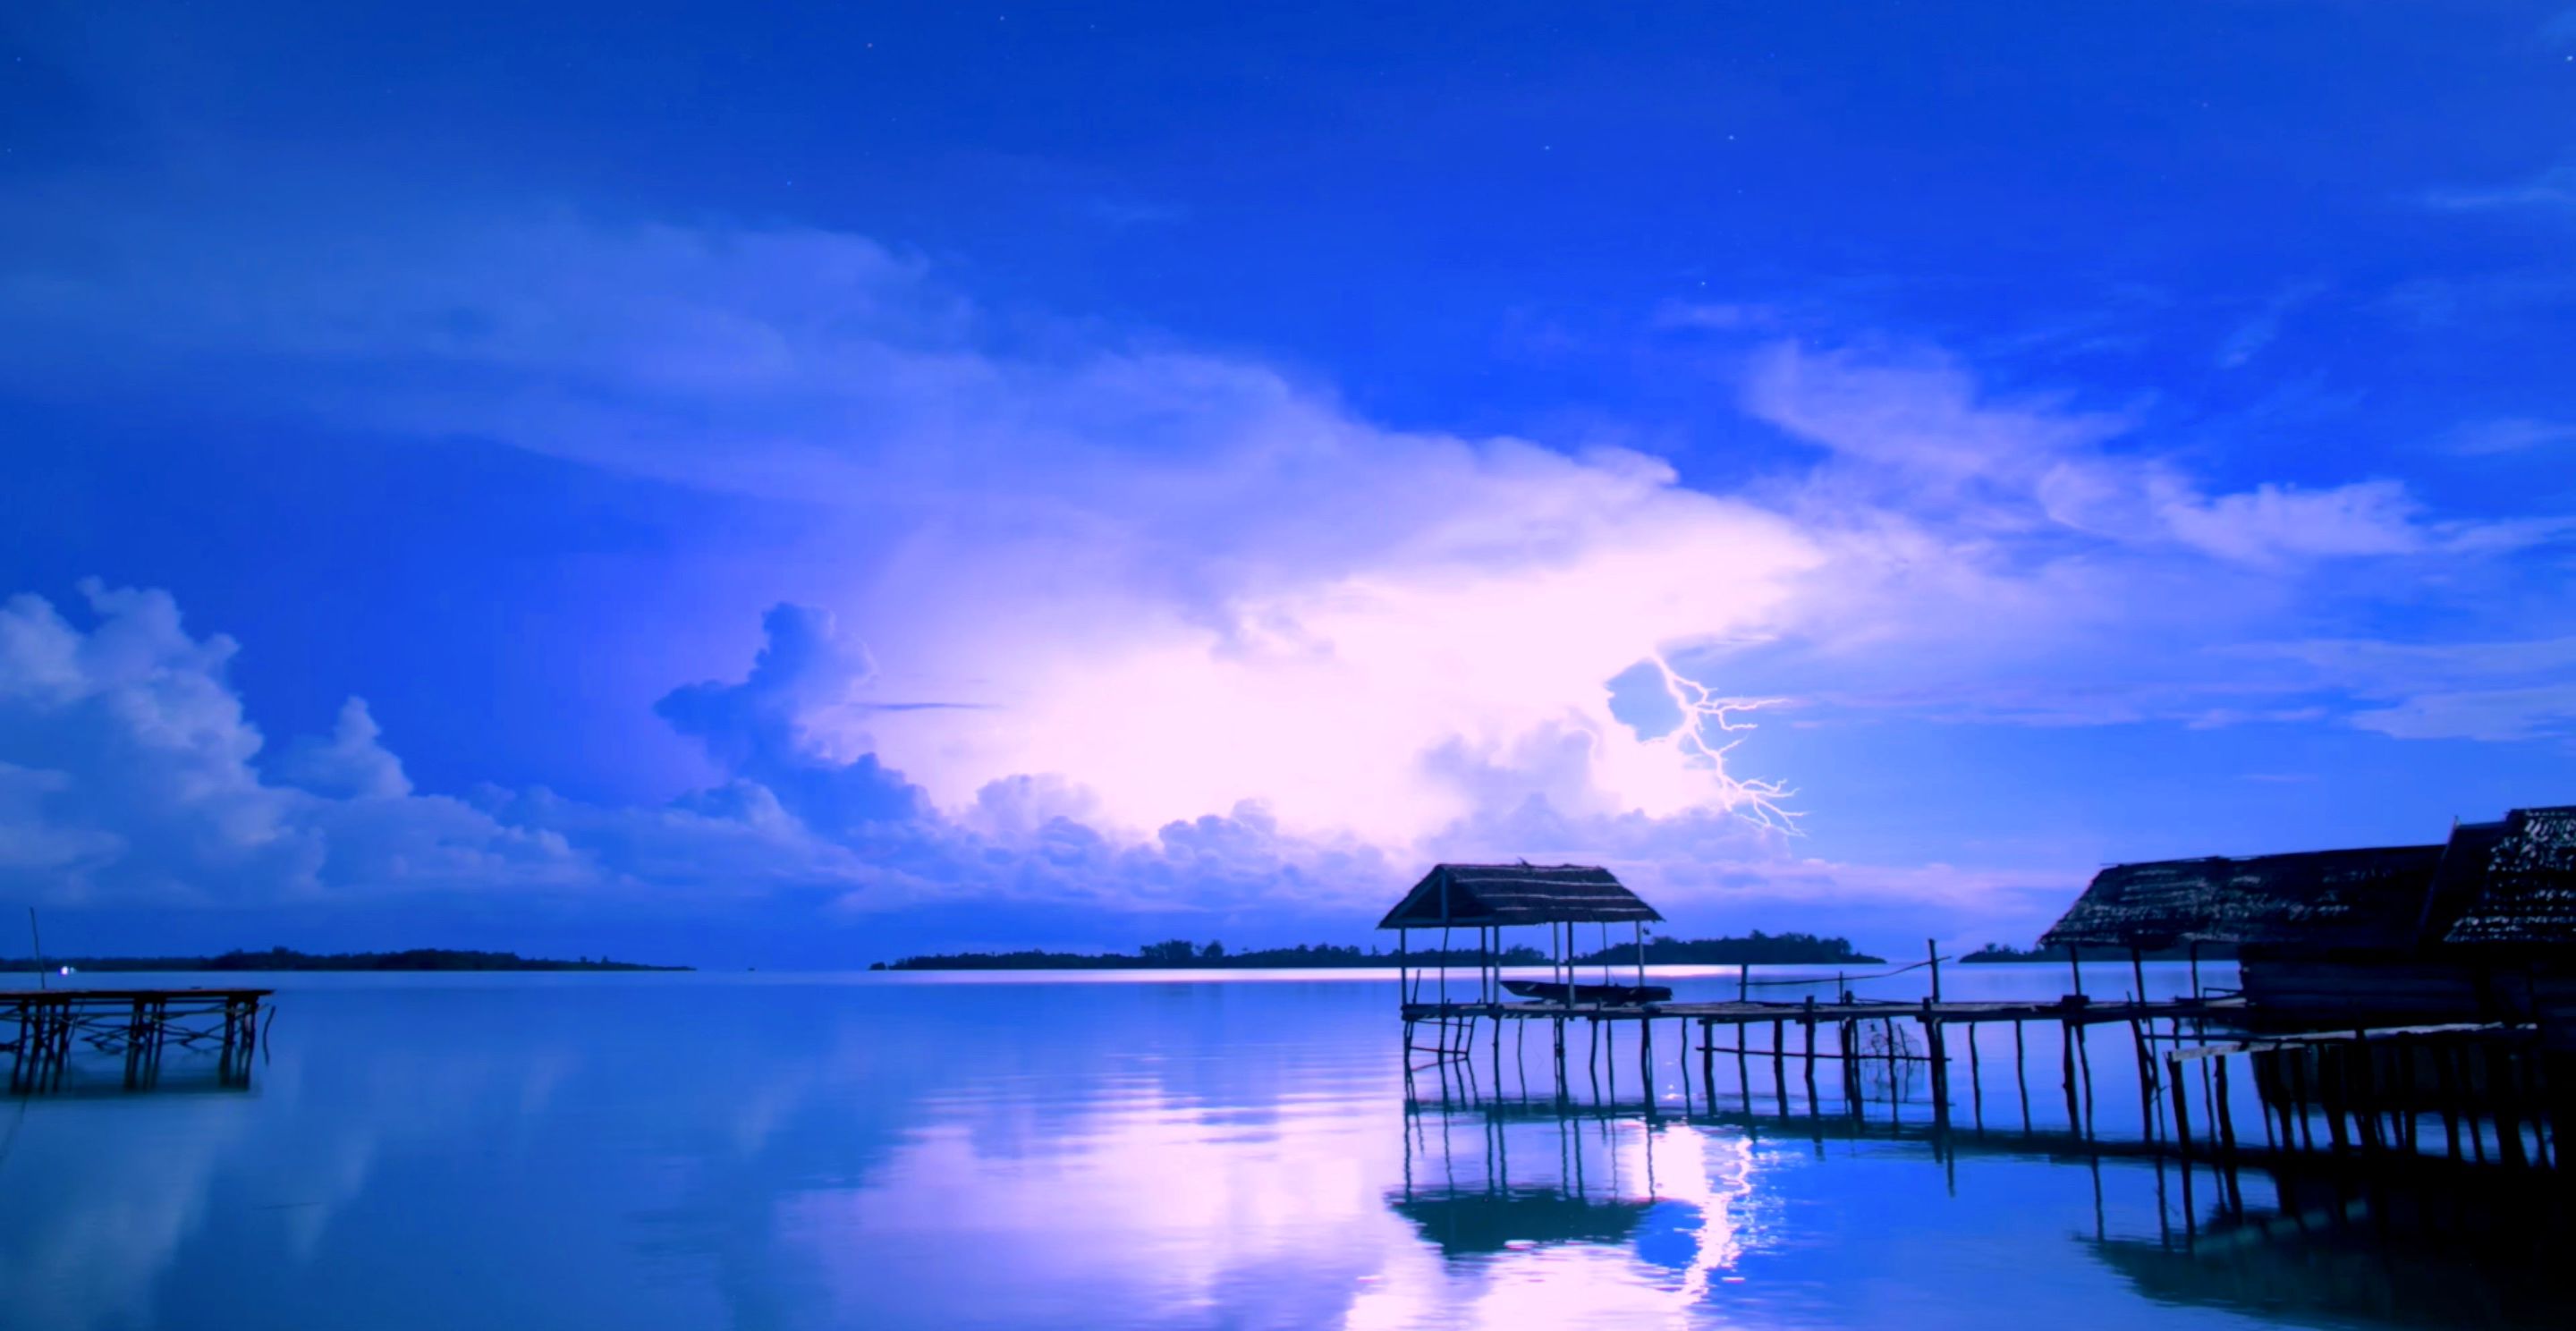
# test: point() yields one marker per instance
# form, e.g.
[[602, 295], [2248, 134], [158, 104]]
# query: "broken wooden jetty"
[[2209, 1071], [49, 1028]]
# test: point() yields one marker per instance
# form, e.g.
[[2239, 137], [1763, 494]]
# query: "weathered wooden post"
[[2146, 1080], [1976, 1081], [1708, 1061], [2021, 1072], [1807, 1023]]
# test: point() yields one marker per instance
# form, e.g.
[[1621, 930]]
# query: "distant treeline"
[[1755, 949], [287, 959], [2002, 952], [1179, 954]]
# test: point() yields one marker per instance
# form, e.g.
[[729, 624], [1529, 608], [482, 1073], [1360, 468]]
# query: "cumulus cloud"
[[351, 762], [129, 774], [99, 713], [132, 774]]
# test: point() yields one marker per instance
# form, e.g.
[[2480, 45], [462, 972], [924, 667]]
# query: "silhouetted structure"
[[1489, 898], [53, 1026], [2393, 1004], [2384, 985], [2479, 929]]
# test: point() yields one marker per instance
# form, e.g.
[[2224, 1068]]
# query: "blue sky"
[[800, 486]]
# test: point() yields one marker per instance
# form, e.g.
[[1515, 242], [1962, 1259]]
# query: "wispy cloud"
[[2259, 331], [2551, 189], [2509, 434], [2495, 690]]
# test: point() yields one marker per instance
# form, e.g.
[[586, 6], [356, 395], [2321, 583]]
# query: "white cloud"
[[1920, 414], [351, 762], [2273, 522]]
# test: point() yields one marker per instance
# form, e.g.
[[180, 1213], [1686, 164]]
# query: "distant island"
[[1998, 952], [1181, 954], [287, 959], [1755, 949]]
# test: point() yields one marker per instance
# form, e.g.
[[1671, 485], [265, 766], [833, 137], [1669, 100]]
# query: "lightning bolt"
[[1704, 712]]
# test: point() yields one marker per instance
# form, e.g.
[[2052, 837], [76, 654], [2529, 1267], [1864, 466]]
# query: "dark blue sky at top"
[[2296, 243]]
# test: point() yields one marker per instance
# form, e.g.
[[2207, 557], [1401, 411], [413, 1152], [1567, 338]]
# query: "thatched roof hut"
[[2331, 900], [2528, 890], [1479, 896]]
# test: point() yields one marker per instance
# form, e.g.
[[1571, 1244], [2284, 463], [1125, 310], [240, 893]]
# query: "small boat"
[[1614, 995]]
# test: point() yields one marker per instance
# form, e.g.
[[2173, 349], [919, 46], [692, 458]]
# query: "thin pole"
[[39, 937], [1932, 949], [1810, 1032], [2021, 1073], [1976, 1081], [1444, 964], [1641, 954]]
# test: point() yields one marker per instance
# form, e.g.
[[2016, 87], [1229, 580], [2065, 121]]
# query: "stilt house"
[[2479, 928], [1490, 898]]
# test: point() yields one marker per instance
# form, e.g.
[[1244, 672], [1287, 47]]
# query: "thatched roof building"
[[2528, 892], [2509, 882], [1479, 896], [2329, 900]]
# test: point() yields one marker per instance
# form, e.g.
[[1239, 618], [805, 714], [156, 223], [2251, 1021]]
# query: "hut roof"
[[2529, 895], [1479, 895], [2328, 899], [2461, 877]]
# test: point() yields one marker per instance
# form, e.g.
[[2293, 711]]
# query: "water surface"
[[1229, 1150]]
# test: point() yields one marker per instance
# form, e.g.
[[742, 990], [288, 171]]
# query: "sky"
[[799, 485]]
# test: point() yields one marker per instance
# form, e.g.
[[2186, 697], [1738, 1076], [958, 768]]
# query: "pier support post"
[[1976, 1082], [1708, 1064], [1808, 1028], [1780, 1065], [2021, 1072]]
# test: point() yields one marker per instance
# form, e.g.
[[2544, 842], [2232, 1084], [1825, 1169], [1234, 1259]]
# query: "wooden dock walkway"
[[48, 1028], [2475, 1086], [1736, 1012]]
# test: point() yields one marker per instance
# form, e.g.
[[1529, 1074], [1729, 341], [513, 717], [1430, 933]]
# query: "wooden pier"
[[2333, 1077], [49, 1028], [2467, 1091]]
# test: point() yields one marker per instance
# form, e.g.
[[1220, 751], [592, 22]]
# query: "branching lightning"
[[1703, 713]]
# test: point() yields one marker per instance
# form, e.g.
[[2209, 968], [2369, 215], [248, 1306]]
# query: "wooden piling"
[[2146, 1080], [2021, 1073], [1780, 1066], [1807, 1024], [1976, 1082]]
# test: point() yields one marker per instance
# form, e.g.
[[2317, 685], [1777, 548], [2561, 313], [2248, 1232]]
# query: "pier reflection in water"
[[1671, 1201], [1674, 1200]]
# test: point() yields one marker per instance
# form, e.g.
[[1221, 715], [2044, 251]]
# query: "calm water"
[[893, 1151]]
